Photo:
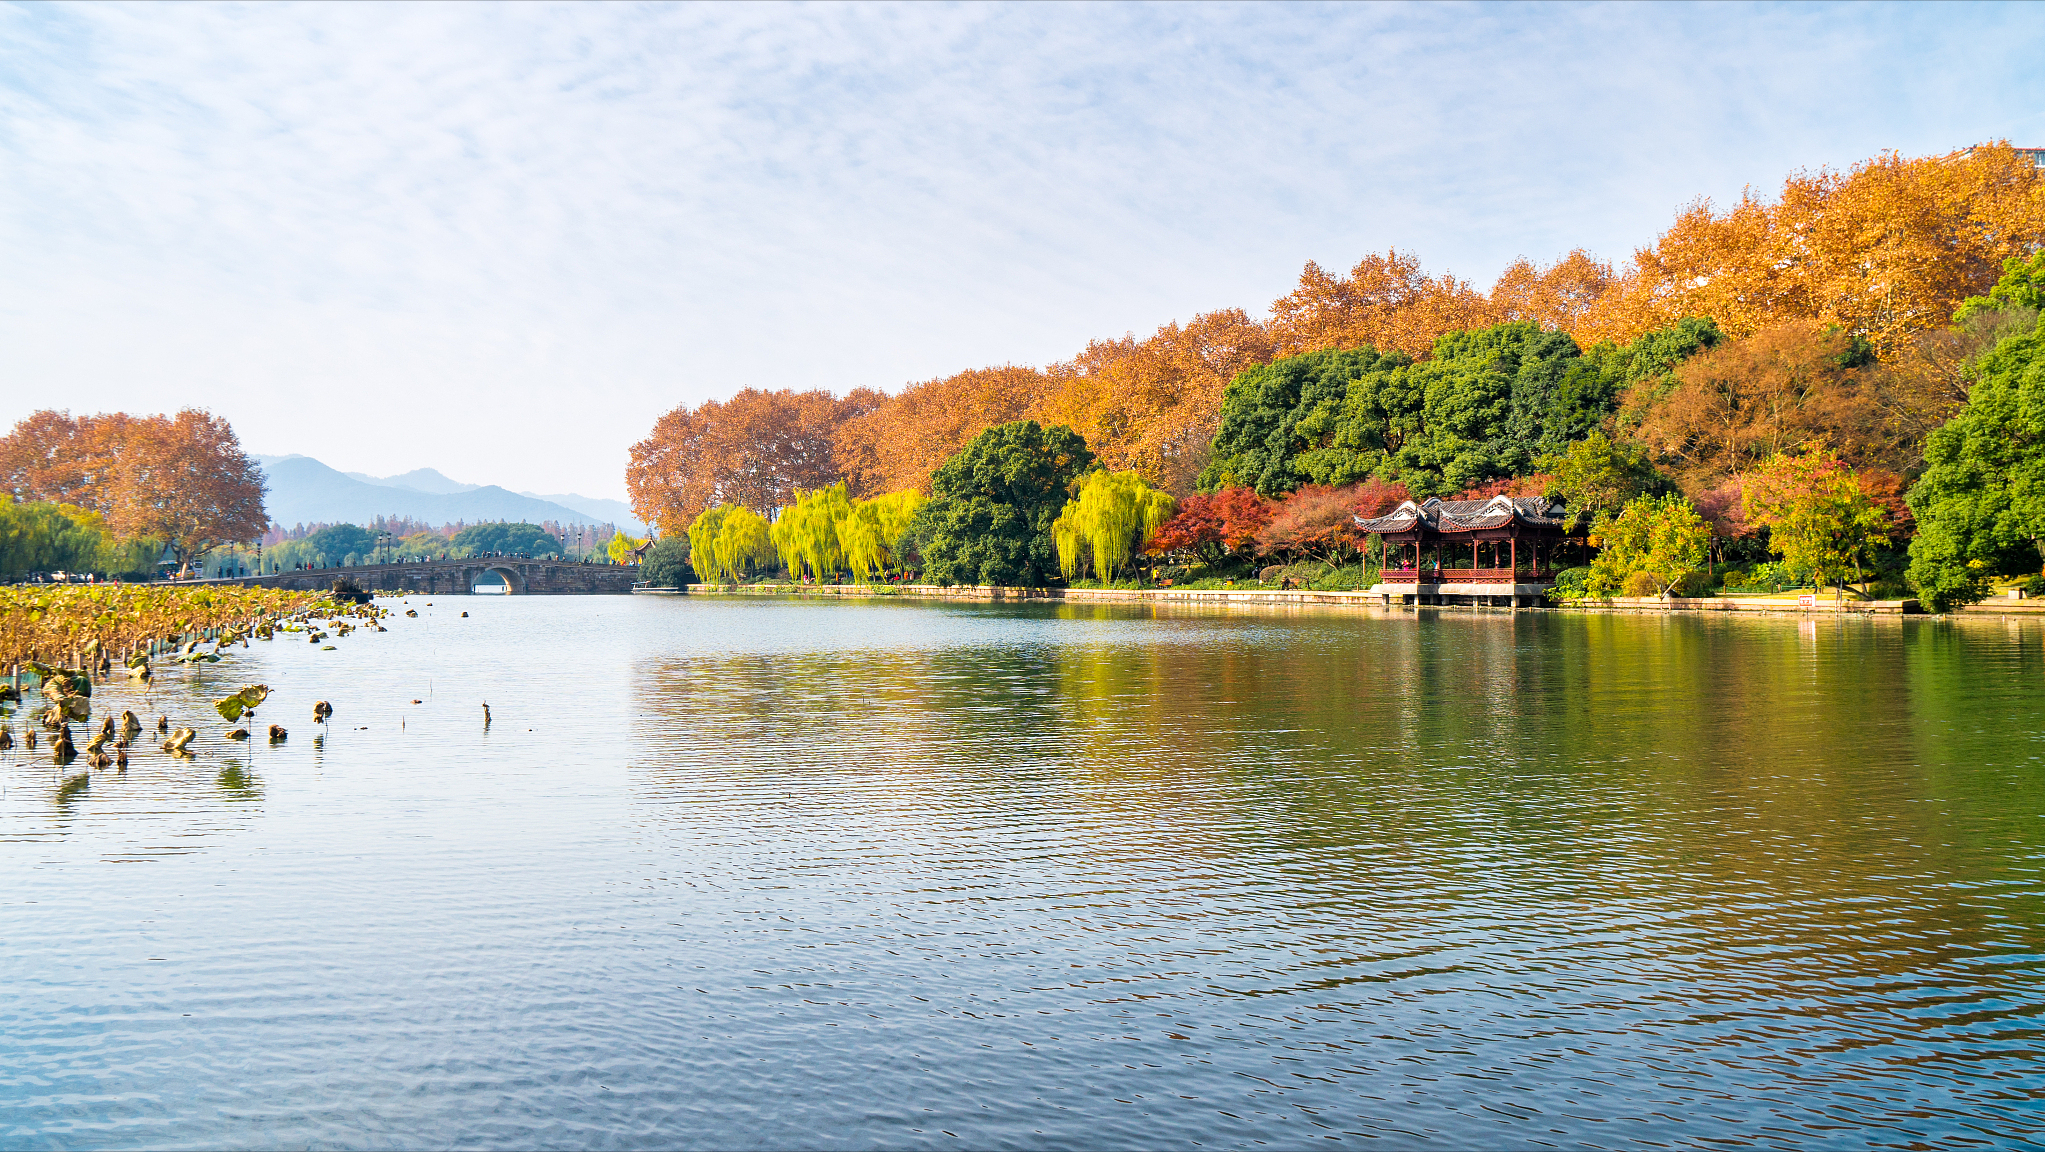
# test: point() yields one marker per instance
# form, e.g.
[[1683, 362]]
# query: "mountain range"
[[305, 491]]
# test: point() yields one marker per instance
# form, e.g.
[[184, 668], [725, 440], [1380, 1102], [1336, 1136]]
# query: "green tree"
[[331, 546], [1111, 518], [1486, 404], [478, 539], [991, 507], [667, 563], [1980, 503], [1596, 475], [1260, 434], [2022, 286], [1660, 537], [43, 537]]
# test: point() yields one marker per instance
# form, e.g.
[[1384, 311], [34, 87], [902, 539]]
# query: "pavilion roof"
[[1444, 516]]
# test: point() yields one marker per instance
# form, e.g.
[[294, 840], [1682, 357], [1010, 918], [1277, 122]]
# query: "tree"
[[1733, 406], [1980, 503], [754, 449], [2021, 286], [869, 536], [1819, 518], [667, 563], [186, 481], [1885, 249], [479, 539], [806, 534], [1315, 520], [1260, 436], [988, 520], [1152, 405], [1385, 302], [1660, 538], [903, 439], [1213, 526], [1109, 520], [744, 542], [703, 543], [53, 458], [37, 536], [1595, 475]]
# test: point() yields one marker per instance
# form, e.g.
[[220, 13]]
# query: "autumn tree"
[[1889, 247], [901, 440], [754, 449], [184, 480], [1729, 408], [50, 456], [1386, 302], [1152, 405], [1819, 518], [1315, 520], [1213, 526]]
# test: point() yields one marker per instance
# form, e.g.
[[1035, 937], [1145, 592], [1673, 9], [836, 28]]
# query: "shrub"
[[1569, 583], [1639, 584]]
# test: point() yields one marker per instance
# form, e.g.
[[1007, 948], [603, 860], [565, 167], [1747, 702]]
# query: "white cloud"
[[499, 240]]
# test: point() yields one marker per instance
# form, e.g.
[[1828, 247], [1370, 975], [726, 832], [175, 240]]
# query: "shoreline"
[[1360, 599]]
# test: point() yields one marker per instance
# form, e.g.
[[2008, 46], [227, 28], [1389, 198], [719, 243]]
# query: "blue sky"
[[500, 241]]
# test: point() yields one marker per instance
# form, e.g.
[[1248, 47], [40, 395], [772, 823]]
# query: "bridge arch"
[[514, 581]]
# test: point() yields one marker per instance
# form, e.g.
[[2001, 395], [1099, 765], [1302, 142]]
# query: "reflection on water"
[[780, 873]]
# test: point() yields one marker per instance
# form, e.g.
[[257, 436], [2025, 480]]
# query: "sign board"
[[1807, 600]]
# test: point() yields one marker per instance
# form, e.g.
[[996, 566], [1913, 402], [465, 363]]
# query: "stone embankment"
[[1360, 599]]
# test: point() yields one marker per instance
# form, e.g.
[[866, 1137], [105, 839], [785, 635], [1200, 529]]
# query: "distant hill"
[[305, 491]]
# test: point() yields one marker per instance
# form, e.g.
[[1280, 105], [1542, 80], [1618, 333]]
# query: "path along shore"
[[1363, 599]]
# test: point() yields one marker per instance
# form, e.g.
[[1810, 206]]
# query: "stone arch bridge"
[[459, 577]]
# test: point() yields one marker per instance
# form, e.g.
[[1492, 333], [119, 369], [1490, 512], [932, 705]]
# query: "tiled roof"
[[1437, 515]]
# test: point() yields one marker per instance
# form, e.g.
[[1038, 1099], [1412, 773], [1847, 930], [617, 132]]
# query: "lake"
[[737, 873]]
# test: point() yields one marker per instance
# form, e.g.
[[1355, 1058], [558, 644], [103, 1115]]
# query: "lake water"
[[735, 873]]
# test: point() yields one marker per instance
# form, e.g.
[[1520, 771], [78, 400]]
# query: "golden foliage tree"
[[1386, 301], [1884, 249], [185, 480], [1152, 405], [901, 441], [754, 449], [1728, 409]]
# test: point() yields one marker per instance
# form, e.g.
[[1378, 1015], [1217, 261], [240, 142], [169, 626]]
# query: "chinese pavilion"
[[1483, 551]]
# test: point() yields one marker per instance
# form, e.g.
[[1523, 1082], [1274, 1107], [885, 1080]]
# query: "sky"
[[501, 240]]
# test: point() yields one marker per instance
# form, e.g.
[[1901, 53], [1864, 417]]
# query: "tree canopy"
[[1980, 503], [989, 516], [530, 539]]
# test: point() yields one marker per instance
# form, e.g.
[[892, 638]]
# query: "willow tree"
[[743, 541], [703, 543], [868, 536], [807, 533], [1111, 519]]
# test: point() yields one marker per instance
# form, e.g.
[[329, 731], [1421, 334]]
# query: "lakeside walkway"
[[1373, 598]]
